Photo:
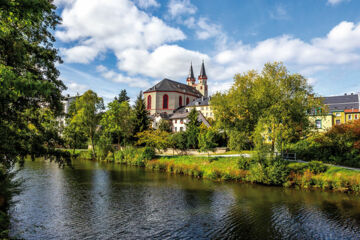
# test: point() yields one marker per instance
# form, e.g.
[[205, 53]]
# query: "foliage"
[[29, 81], [206, 139], [192, 129], [179, 140], [165, 125], [104, 146], [238, 141], [118, 121], [275, 100], [123, 97], [154, 138], [317, 167], [87, 115], [148, 153], [340, 145], [141, 121]]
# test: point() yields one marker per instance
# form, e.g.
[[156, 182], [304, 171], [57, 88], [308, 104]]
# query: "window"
[[181, 129], [181, 121], [180, 101], [338, 114], [175, 129], [187, 101], [149, 102], [349, 116], [356, 117], [165, 101], [337, 122], [318, 124], [175, 121]]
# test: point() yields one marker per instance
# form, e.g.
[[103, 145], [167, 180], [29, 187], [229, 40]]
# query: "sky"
[[111, 45]]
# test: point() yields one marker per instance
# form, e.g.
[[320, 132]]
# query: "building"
[[66, 103], [202, 105], [341, 109], [169, 99]]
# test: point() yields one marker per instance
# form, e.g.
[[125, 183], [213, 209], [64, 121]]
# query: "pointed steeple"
[[202, 71], [191, 79], [191, 72]]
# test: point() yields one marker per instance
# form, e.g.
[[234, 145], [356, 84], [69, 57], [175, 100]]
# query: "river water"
[[106, 201]]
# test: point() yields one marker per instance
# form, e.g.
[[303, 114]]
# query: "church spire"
[[202, 71], [191, 79]]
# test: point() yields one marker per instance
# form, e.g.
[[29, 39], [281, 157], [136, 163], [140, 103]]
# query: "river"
[[109, 201]]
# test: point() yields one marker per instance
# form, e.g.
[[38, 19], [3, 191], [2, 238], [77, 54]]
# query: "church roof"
[[191, 72], [170, 85]]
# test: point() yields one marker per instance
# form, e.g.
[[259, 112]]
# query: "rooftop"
[[170, 85]]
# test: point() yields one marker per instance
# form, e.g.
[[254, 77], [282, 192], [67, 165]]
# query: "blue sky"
[[115, 44]]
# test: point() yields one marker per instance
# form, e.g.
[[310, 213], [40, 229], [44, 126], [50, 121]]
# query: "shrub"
[[148, 153], [244, 163], [317, 167]]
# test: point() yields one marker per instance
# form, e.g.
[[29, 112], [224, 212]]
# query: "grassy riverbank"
[[313, 175]]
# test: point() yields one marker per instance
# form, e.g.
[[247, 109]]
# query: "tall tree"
[[274, 103], [118, 120], [29, 81], [142, 120], [123, 97], [87, 116], [192, 129]]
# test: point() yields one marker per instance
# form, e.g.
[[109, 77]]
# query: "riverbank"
[[313, 175]]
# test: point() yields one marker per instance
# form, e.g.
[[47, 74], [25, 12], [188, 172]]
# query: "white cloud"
[[335, 2], [207, 29], [181, 7], [147, 3], [169, 61], [111, 24], [339, 47]]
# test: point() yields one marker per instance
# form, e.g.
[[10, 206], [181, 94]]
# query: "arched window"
[[149, 102], [165, 101], [187, 101], [180, 101]]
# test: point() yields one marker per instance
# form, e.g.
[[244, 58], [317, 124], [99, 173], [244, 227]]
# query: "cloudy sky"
[[110, 45]]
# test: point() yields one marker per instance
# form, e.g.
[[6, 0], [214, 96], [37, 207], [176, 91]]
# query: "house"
[[203, 105], [180, 118]]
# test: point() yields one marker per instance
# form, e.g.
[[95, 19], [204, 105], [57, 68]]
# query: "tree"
[[165, 125], [29, 81], [192, 129], [274, 102], [142, 120], [179, 140], [118, 120], [87, 116], [123, 97], [207, 139], [154, 138]]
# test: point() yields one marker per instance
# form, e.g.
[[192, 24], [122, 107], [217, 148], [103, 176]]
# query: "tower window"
[[180, 101], [149, 102], [187, 101], [165, 101]]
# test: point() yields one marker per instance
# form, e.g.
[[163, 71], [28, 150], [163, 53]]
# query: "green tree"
[[164, 125], [274, 102], [179, 140], [29, 81], [142, 120], [87, 116], [118, 120], [192, 129], [155, 139], [123, 97], [207, 139]]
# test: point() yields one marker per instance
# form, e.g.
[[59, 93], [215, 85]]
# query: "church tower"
[[202, 87], [191, 79]]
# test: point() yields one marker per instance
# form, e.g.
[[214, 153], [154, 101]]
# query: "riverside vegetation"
[[259, 168]]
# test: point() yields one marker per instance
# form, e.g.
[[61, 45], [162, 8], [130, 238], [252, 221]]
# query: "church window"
[[149, 102], [187, 101], [180, 101], [165, 101], [201, 87]]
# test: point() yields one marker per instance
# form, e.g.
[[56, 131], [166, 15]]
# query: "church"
[[168, 95], [168, 98]]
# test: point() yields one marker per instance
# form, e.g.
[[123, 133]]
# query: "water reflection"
[[111, 201]]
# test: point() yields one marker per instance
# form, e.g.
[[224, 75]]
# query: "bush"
[[317, 167], [148, 153], [244, 163], [238, 141]]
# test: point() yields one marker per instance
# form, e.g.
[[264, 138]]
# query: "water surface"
[[106, 201]]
